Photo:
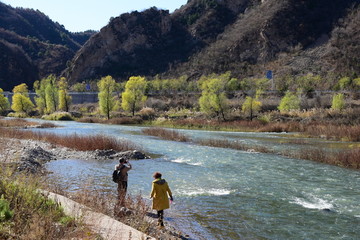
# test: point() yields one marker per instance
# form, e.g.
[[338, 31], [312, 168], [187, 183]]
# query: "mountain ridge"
[[33, 46], [288, 36], [246, 37]]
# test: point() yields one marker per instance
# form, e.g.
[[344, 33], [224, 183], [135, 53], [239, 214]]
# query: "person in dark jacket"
[[159, 193], [123, 167]]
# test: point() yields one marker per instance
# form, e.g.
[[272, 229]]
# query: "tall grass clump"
[[348, 158], [16, 122], [59, 116], [27, 214], [223, 143], [74, 141], [166, 134], [281, 127], [335, 132]]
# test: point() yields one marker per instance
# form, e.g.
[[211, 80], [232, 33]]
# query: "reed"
[[348, 158], [16, 122], [74, 141], [90, 120], [281, 127], [335, 132], [166, 134], [124, 120], [240, 125], [115, 121], [223, 143]]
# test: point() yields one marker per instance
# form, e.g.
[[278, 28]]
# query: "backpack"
[[116, 176]]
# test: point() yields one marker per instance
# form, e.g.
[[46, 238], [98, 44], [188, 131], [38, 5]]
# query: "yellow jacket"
[[159, 192]]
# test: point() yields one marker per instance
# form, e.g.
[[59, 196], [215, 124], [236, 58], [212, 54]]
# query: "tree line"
[[52, 94]]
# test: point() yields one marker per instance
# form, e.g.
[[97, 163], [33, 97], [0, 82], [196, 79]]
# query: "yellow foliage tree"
[[133, 98], [213, 100], [106, 95], [251, 106], [4, 102], [20, 100], [64, 98]]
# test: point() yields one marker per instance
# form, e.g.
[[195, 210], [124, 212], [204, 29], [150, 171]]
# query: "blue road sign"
[[269, 74]]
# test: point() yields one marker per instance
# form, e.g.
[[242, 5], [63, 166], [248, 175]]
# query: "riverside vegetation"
[[214, 102]]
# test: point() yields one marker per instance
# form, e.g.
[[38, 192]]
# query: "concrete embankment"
[[105, 226]]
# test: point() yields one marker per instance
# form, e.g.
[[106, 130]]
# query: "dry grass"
[[166, 134], [348, 159], [47, 125], [216, 125], [135, 214], [22, 123], [90, 120], [74, 141], [281, 127], [335, 132], [233, 145], [32, 215], [16, 122], [116, 121]]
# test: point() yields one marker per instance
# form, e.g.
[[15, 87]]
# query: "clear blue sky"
[[81, 15]]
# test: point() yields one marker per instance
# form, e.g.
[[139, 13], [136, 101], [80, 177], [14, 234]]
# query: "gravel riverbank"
[[30, 155]]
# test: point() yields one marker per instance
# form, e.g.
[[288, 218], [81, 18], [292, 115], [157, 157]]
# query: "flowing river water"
[[231, 194]]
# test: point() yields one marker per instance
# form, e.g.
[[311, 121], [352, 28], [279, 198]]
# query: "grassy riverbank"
[[25, 213]]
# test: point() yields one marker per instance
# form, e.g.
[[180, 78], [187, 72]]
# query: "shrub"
[[5, 212], [18, 115], [338, 102], [59, 116], [147, 113], [289, 102], [166, 134]]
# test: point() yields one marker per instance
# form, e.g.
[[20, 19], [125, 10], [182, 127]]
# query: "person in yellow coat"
[[159, 193]]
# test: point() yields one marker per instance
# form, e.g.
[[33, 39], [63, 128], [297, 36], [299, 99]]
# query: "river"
[[231, 194]]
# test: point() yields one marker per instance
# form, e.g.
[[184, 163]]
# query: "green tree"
[[251, 106], [133, 98], [338, 102], [64, 97], [20, 100], [51, 94], [309, 83], [213, 100], [289, 102], [106, 95], [40, 99], [4, 101]]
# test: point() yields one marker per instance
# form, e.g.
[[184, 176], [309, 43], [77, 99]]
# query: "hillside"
[[33, 46], [209, 36]]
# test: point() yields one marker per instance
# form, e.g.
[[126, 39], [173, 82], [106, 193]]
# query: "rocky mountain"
[[246, 37], [33, 46], [213, 36]]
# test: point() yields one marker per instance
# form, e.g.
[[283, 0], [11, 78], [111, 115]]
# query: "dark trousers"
[[160, 215]]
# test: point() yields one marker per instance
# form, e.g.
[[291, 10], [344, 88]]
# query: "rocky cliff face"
[[213, 36], [133, 44]]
